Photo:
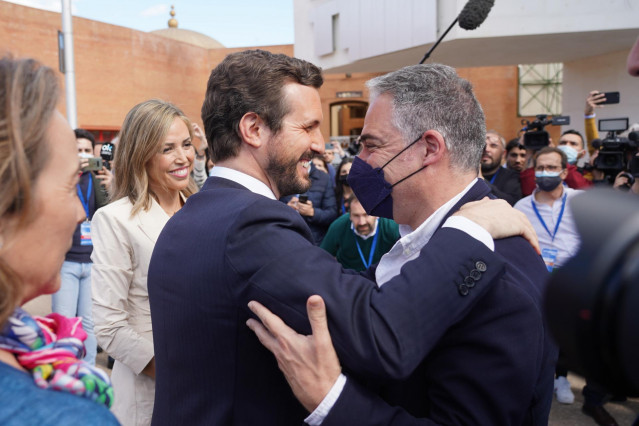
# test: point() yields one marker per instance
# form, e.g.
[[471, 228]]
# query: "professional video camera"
[[536, 137], [592, 302], [616, 154], [106, 152]]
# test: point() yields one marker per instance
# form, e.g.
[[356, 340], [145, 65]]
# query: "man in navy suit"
[[423, 137], [234, 242]]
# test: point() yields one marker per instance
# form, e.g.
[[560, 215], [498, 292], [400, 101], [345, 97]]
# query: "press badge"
[[550, 256], [85, 233]]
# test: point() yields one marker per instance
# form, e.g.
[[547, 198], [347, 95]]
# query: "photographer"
[[74, 296]]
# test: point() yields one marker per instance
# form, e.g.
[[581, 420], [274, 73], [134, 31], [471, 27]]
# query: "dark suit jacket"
[[506, 185], [228, 246], [322, 195], [493, 367]]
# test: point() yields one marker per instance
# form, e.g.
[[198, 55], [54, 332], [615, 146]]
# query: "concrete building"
[[590, 38]]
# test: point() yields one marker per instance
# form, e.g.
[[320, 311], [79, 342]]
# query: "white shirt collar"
[[412, 241], [249, 182]]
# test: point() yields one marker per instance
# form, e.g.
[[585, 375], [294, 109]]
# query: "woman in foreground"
[[42, 380]]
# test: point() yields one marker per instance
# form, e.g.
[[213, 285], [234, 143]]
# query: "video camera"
[[616, 154], [591, 302], [106, 152], [536, 137]]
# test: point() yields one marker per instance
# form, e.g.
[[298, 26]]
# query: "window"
[[540, 88]]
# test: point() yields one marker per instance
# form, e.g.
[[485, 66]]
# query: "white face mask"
[[570, 152], [84, 155]]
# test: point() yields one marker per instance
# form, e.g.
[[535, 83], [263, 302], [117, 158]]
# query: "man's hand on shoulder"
[[500, 220], [309, 363]]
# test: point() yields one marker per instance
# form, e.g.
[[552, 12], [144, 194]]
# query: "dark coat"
[[228, 246]]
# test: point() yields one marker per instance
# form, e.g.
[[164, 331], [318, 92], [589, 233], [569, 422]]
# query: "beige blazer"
[[122, 248]]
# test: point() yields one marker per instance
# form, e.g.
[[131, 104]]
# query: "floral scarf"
[[50, 348]]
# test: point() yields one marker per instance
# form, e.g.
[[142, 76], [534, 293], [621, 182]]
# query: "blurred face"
[[493, 153], [170, 168], [573, 141], [329, 155], [362, 222], [550, 162], [291, 149], [346, 168], [319, 164], [36, 252], [84, 146], [516, 159]]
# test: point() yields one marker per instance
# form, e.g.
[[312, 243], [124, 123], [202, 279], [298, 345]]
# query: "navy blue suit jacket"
[[495, 366], [228, 246], [322, 195]]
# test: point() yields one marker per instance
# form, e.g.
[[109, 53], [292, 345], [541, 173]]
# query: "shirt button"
[[480, 266]]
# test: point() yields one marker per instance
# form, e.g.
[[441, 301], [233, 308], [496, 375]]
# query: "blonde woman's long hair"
[[143, 132], [28, 97]]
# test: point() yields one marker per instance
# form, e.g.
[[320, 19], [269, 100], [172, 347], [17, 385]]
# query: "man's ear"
[[435, 147], [252, 129], [581, 153]]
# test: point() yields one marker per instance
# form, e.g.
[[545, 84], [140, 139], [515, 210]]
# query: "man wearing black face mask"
[[262, 114], [548, 208], [422, 141]]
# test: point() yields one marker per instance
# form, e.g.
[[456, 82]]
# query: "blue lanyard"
[[359, 249], [561, 214], [492, 179], [85, 202]]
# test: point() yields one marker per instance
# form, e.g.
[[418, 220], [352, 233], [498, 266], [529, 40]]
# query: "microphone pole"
[[427, 55], [471, 17]]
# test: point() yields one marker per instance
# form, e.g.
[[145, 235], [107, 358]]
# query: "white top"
[[567, 240]]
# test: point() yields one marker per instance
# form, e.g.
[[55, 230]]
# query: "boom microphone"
[[474, 13], [472, 16]]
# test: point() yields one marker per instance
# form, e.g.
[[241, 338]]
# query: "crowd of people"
[[251, 273]]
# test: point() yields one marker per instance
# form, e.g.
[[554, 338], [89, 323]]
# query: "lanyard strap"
[[85, 202], [561, 215], [359, 249], [492, 179]]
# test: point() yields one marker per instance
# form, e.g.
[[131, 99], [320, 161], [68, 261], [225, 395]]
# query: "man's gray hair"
[[434, 97]]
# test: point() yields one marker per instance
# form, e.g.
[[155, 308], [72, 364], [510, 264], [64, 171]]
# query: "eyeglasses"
[[548, 168]]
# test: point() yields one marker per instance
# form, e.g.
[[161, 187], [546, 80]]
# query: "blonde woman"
[[153, 161]]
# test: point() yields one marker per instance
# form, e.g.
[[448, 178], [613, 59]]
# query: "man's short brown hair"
[[250, 81]]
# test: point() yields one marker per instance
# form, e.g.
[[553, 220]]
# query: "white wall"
[[606, 73], [382, 35]]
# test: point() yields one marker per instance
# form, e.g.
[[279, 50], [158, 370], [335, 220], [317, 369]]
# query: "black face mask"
[[370, 187], [343, 180]]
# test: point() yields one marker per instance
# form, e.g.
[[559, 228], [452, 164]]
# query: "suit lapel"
[[152, 222]]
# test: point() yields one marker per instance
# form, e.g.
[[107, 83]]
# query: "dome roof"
[[188, 36]]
